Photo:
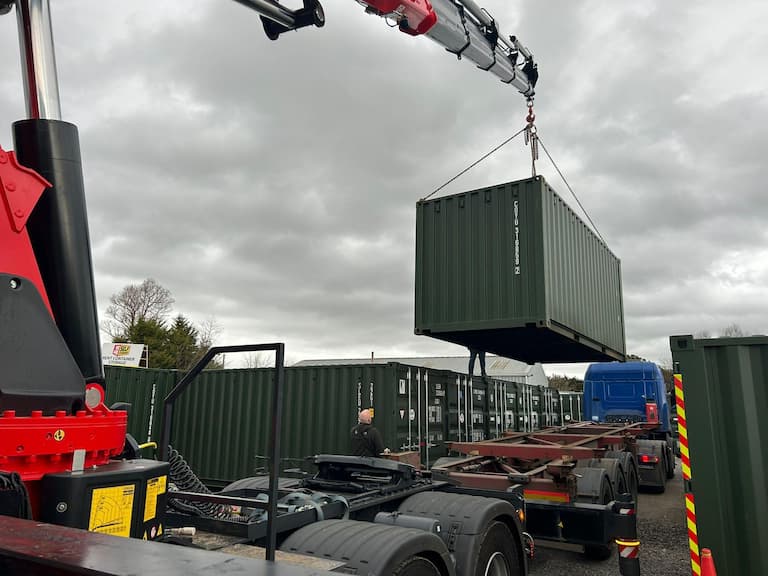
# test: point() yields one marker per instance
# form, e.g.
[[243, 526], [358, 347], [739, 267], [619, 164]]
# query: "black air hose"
[[186, 480]]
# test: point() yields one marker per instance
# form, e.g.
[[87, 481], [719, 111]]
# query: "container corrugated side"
[[144, 389], [512, 270], [725, 385]]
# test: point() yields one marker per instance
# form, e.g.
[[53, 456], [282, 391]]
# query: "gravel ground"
[[663, 542]]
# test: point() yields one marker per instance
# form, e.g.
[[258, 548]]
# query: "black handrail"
[[277, 414]]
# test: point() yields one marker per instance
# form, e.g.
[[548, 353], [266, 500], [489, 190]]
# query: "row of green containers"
[[222, 422]]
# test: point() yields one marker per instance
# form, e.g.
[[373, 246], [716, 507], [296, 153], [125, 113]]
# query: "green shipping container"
[[144, 389], [512, 270], [222, 421], [725, 386]]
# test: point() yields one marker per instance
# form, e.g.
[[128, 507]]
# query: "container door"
[[495, 405], [478, 410], [510, 415], [536, 403], [436, 406], [406, 409]]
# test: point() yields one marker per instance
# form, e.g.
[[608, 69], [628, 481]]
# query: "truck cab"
[[627, 392]]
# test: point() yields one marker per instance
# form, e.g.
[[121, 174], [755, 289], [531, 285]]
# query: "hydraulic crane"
[[460, 26], [57, 437]]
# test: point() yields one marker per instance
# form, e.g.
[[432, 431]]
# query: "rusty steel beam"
[[576, 439], [525, 451]]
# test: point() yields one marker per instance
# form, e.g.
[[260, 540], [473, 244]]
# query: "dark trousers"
[[475, 354]]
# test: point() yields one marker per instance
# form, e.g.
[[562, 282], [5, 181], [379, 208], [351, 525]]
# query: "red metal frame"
[[419, 14], [35, 445], [542, 461], [20, 189]]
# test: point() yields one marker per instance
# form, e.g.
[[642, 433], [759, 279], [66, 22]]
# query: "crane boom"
[[468, 31], [460, 26]]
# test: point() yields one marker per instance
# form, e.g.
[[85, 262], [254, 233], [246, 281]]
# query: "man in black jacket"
[[366, 440]]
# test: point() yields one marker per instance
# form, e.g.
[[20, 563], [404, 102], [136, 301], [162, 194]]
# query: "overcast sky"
[[271, 186]]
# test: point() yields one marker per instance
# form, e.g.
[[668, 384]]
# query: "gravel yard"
[[663, 542]]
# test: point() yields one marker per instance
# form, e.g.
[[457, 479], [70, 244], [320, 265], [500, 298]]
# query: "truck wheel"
[[670, 465], [594, 487], [614, 467], [480, 530], [662, 475], [498, 554], [629, 464], [417, 566], [633, 478], [373, 549]]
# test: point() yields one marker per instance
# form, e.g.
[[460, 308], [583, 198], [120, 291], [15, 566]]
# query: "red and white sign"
[[118, 354]]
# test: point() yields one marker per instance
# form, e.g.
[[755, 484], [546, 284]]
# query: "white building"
[[496, 366]]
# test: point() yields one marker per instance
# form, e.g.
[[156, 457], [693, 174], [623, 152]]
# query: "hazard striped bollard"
[[685, 460], [626, 535]]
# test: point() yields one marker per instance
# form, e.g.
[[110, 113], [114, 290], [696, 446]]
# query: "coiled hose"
[[184, 478], [14, 496]]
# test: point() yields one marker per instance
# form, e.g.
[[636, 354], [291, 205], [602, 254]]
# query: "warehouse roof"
[[496, 366]]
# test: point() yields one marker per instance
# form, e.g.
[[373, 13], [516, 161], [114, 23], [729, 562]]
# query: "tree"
[[732, 331], [259, 360], [182, 343], [138, 314], [146, 301], [566, 383], [154, 334]]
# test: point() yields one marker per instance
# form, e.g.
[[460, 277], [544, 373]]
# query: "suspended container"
[[512, 270], [725, 386]]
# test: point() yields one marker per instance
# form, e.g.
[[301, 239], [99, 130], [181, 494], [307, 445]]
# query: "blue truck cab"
[[620, 391], [626, 392]]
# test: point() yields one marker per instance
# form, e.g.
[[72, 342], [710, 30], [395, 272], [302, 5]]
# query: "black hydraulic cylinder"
[[58, 229]]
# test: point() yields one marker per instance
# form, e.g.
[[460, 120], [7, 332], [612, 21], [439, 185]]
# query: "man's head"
[[364, 417]]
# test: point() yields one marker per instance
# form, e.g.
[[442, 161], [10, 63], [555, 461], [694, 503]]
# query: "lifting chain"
[[531, 137]]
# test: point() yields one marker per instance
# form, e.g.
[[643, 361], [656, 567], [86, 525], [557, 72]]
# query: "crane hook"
[[531, 137]]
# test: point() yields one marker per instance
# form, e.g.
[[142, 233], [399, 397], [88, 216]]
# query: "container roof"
[[496, 366]]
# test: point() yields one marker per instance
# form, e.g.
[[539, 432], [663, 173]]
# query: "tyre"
[[594, 487], [629, 465], [261, 484], [373, 549], [653, 477], [598, 552], [498, 553], [670, 464], [614, 467], [417, 566], [633, 478], [485, 537]]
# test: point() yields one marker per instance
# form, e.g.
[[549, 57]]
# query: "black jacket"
[[366, 441]]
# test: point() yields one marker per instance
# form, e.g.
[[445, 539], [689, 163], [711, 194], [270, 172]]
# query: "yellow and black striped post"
[[685, 458]]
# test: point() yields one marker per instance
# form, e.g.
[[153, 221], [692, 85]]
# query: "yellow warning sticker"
[[155, 487], [59, 435], [112, 510]]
